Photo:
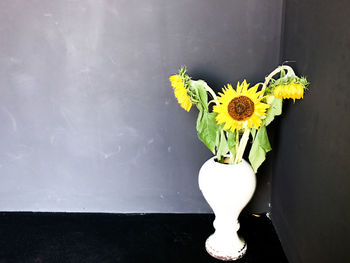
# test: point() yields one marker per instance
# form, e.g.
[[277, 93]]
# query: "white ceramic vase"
[[227, 188]]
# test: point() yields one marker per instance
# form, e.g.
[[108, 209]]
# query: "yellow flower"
[[241, 108], [291, 91], [180, 92]]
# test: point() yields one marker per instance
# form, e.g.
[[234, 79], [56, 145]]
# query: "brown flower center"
[[241, 108]]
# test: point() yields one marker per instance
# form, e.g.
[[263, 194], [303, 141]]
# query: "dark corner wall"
[[88, 119], [311, 182]]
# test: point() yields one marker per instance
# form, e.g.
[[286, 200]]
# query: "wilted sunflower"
[[180, 92], [240, 108], [291, 91], [291, 88]]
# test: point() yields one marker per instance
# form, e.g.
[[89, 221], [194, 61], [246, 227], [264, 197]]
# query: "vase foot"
[[226, 254]]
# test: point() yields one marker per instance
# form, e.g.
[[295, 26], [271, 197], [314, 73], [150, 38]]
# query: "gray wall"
[[311, 182], [88, 118]]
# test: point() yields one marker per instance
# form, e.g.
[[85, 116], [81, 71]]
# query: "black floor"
[[51, 237]]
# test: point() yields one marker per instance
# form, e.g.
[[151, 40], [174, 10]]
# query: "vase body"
[[227, 189]]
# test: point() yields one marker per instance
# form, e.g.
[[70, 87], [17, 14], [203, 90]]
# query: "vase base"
[[225, 255]]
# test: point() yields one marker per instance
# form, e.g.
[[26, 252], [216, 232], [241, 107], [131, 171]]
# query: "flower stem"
[[237, 142], [290, 72], [242, 145], [212, 93]]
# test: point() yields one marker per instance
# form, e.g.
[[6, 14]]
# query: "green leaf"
[[253, 132], [199, 124], [207, 129], [274, 110], [223, 147], [260, 147], [263, 139], [231, 140], [201, 92]]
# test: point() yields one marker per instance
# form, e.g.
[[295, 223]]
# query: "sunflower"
[[240, 108], [180, 92], [291, 91]]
